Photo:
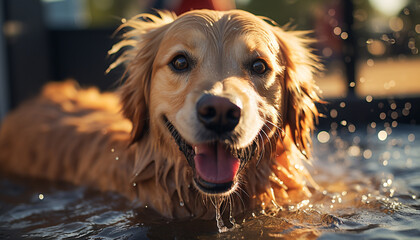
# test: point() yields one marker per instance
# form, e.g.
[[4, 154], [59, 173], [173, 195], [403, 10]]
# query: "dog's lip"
[[213, 188], [210, 185]]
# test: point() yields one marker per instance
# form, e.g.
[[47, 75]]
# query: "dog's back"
[[68, 134]]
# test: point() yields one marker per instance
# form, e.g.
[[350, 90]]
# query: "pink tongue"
[[214, 163]]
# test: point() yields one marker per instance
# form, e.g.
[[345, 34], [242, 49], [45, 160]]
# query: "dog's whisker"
[[240, 198], [263, 149], [274, 125], [271, 146]]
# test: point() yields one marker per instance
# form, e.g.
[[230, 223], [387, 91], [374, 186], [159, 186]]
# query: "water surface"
[[370, 189]]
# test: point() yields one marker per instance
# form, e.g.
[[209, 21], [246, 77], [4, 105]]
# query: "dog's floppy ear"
[[301, 92], [137, 51]]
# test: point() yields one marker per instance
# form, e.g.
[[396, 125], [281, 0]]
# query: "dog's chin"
[[215, 164], [210, 188]]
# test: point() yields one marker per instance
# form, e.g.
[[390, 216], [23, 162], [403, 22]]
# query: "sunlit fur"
[[119, 142]]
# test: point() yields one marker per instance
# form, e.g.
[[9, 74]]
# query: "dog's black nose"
[[218, 114]]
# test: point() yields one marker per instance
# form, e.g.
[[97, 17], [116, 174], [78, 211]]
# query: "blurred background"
[[370, 48]]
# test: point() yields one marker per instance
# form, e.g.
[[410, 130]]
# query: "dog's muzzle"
[[215, 164]]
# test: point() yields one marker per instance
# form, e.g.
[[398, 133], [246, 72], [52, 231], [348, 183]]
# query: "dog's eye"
[[180, 63], [259, 66]]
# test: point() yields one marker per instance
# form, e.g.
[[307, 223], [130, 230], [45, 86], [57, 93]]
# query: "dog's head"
[[220, 86]]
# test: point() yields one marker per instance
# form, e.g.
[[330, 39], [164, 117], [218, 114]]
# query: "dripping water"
[[220, 224]]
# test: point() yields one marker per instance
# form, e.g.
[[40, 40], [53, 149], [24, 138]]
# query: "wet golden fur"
[[118, 141]]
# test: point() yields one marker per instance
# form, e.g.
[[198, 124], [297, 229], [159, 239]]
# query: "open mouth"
[[216, 165]]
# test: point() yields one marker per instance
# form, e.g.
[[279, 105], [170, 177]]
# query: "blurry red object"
[[221, 5]]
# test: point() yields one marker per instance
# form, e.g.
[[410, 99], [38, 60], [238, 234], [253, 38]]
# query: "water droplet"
[[364, 197], [354, 151], [417, 28], [394, 124], [327, 52], [112, 150], [382, 116], [411, 137], [376, 47], [134, 184], [333, 113], [344, 35], [41, 196], [117, 158], [370, 62], [342, 104], [393, 106], [337, 31], [323, 137], [181, 203], [352, 128], [382, 135], [373, 125], [331, 12], [367, 154], [396, 24], [386, 155], [123, 20], [369, 98], [409, 163], [407, 105], [344, 122], [394, 115]]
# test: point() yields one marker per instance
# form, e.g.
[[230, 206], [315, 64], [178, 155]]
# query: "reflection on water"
[[370, 188]]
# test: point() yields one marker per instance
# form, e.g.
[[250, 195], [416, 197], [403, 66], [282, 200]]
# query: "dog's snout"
[[218, 114]]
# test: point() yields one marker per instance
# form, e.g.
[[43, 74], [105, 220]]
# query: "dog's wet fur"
[[211, 104]]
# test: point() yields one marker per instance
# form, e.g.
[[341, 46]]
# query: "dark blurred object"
[[36, 54], [82, 54], [27, 49], [4, 84]]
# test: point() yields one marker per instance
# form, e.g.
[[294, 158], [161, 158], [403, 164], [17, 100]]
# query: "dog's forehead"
[[221, 29]]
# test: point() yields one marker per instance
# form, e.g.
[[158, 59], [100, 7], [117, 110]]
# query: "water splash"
[[220, 224]]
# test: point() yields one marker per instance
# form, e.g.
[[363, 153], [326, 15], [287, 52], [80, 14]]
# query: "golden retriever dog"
[[213, 107]]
